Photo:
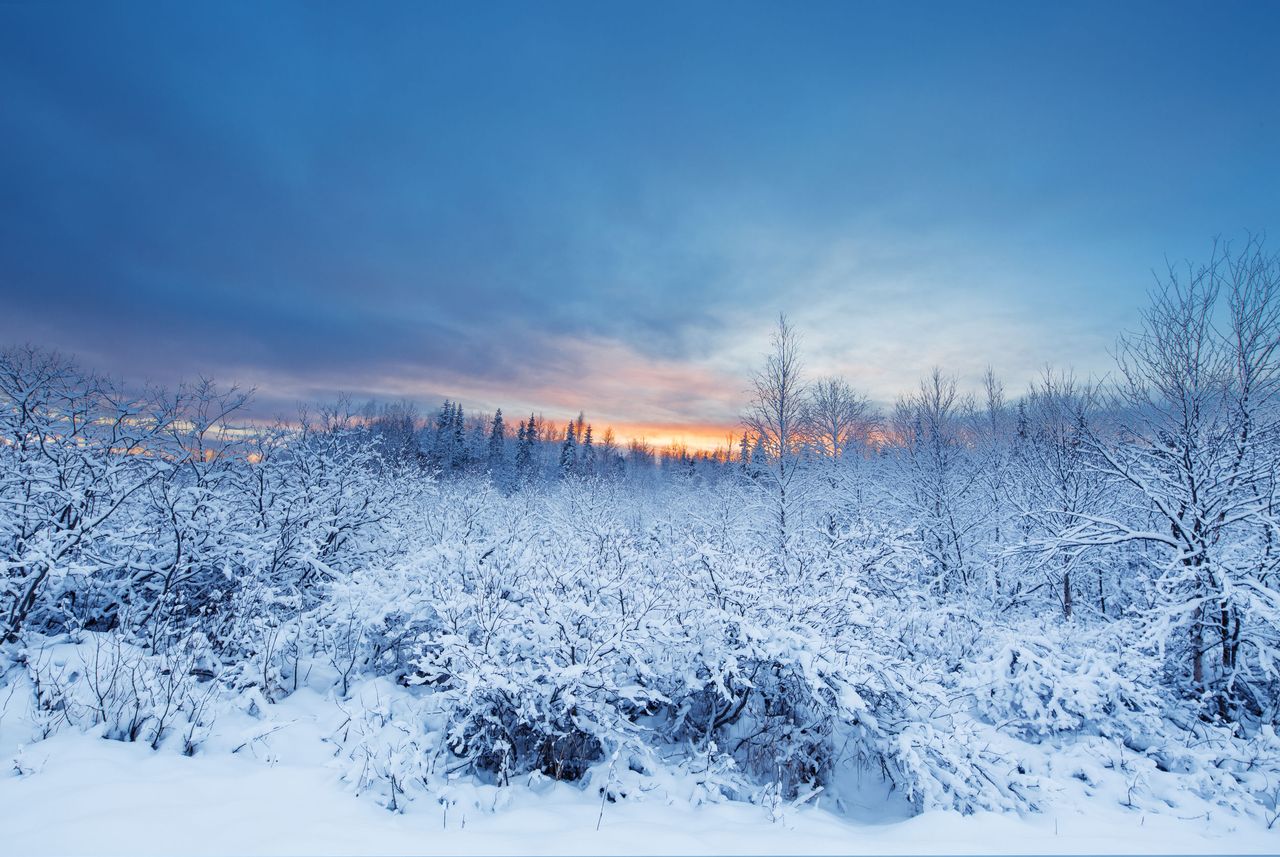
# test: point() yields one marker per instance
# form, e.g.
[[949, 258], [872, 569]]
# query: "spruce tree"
[[522, 452], [458, 446], [588, 453], [440, 446], [497, 445], [568, 452], [528, 439]]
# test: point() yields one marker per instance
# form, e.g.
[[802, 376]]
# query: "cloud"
[[550, 215]]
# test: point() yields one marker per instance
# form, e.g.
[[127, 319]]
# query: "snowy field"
[[279, 779], [117, 799]]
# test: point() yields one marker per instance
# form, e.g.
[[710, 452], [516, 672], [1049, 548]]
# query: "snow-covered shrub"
[[387, 747], [1044, 678], [753, 693], [940, 759], [260, 638], [128, 694], [387, 611], [533, 661], [865, 704]]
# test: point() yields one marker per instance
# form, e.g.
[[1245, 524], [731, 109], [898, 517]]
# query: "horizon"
[[604, 209]]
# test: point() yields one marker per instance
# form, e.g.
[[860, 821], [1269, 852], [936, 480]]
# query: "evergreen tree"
[[522, 451], [588, 453], [458, 446], [440, 453], [568, 452], [528, 439], [497, 445]]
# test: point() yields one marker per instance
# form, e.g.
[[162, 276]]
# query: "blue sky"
[[604, 205]]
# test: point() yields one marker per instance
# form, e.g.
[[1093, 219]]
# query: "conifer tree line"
[[450, 444], [922, 586]]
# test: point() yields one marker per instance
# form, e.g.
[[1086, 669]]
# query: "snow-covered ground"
[[90, 796], [273, 780]]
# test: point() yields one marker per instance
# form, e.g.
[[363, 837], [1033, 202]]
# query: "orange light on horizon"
[[695, 437]]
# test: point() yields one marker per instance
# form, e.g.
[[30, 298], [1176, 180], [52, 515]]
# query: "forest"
[[969, 596]]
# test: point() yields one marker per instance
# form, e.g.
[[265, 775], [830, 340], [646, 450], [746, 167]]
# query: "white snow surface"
[[269, 781]]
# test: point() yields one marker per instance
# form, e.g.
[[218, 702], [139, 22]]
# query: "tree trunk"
[[1197, 658]]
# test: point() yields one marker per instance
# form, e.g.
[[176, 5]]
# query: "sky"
[[604, 206]]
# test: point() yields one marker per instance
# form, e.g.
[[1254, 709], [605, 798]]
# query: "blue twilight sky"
[[604, 205]]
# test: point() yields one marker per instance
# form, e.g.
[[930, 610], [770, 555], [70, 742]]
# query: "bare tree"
[[837, 416], [776, 416], [1199, 399], [1054, 482], [938, 475]]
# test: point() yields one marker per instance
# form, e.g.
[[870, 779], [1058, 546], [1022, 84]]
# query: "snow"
[[269, 782], [114, 798]]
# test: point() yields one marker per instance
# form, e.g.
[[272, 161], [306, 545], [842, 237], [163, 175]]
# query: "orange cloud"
[[659, 400]]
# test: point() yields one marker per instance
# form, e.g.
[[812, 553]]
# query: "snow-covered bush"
[[386, 746], [1040, 679], [108, 684], [533, 659]]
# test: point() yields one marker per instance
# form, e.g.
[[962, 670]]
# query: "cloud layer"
[[591, 207]]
